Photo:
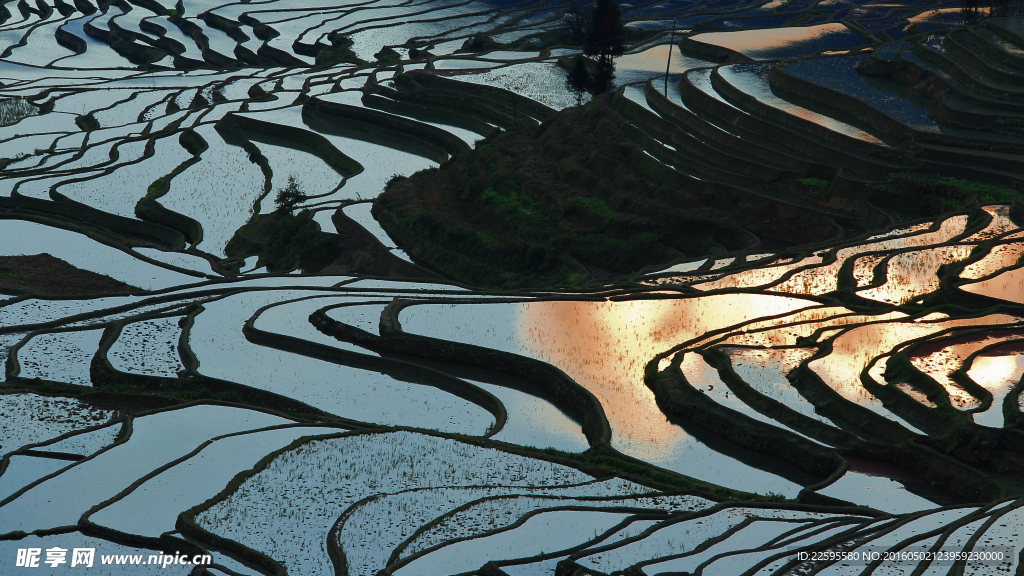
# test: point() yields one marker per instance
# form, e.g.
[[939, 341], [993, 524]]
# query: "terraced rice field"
[[850, 406]]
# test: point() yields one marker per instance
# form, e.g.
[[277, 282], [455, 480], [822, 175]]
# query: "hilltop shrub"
[[931, 193]]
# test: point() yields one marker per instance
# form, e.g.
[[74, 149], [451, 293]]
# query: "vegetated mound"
[[576, 198], [285, 241], [45, 275]]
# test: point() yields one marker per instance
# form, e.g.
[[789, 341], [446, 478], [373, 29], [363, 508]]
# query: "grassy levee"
[[225, 25], [972, 78], [188, 357], [455, 101], [128, 44], [279, 57], [678, 399], [900, 71], [986, 40], [721, 139], [70, 41], [369, 255], [430, 243], [983, 56], [1010, 409], [880, 123], [260, 29], [219, 60], [575, 400], [959, 99], [693, 157], [776, 410], [938, 420], [711, 52], [381, 128], [471, 92], [979, 165], [149, 208], [66, 213], [151, 5], [855, 154], [248, 58], [190, 386], [291, 137], [521, 520], [590, 195], [387, 100], [849, 415], [891, 442], [959, 376], [746, 125], [1012, 415], [394, 368]]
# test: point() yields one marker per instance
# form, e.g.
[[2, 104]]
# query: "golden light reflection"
[[913, 274], [654, 59], [1007, 286], [940, 365], [853, 350], [997, 373], [756, 277], [786, 332], [754, 43], [604, 346], [1000, 257], [766, 370], [914, 393], [1000, 224], [824, 279], [864, 269]]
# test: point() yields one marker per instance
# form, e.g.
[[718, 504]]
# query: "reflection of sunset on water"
[[998, 374], [824, 279], [764, 42], [606, 345], [999, 257], [789, 330], [999, 225], [855, 349], [941, 363], [913, 274], [1007, 286]]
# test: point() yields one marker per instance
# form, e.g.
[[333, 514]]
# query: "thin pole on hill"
[[668, 63]]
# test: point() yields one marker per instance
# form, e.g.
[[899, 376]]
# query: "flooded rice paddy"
[[165, 389]]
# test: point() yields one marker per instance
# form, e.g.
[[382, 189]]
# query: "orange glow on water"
[[756, 42], [604, 346]]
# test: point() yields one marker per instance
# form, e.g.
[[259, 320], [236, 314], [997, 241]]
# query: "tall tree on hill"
[[578, 78], [604, 40]]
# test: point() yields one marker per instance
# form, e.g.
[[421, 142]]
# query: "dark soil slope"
[[577, 199], [44, 275]]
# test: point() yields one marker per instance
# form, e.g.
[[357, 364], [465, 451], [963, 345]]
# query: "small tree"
[[290, 196], [604, 40], [574, 18], [578, 79]]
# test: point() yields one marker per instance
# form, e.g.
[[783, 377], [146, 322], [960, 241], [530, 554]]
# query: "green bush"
[[815, 185], [932, 194], [290, 196]]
